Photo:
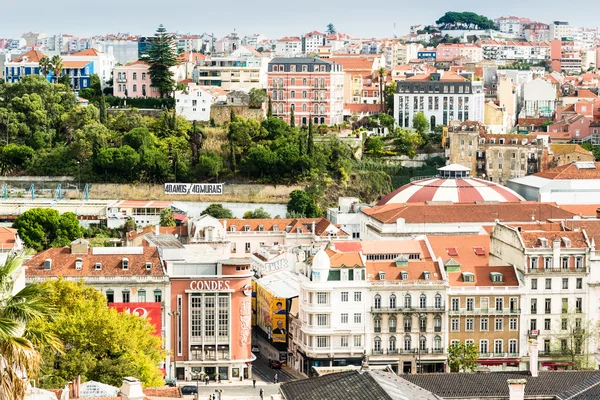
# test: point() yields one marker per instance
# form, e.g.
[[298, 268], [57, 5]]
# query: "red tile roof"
[[571, 171], [8, 237], [531, 239], [33, 56], [88, 52], [166, 230], [585, 210]]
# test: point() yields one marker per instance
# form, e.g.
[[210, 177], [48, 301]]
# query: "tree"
[[65, 80], [407, 142], [373, 144], [20, 339], [331, 29], [257, 97], [292, 118], [57, 66], [217, 211], [310, 148], [259, 213], [103, 345], [464, 20], [162, 56], [302, 204], [382, 80], [103, 116], [41, 228], [389, 92], [45, 66], [167, 218], [573, 340], [210, 165], [420, 124], [462, 357], [270, 108]]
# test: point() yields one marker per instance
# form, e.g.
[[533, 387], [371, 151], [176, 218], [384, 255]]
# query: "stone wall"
[[221, 113]]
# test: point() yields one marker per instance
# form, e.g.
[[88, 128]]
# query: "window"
[[547, 263], [134, 88], [392, 324], [407, 324], [134, 77], [377, 324], [344, 297], [407, 301], [455, 304], [392, 344], [513, 324], [357, 318], [422, 324], [247, 247], [143, 75], [563, 324], [499, 324], [534, 306], [564, 305], [484, 324], [438, 301], [579, 283], [533, 324], [565, 263], [499, 303], [407, 343], [377, 344], [513, 346], [125, 263], [392, 301], [377, 303], [423, 343], [141, 296], [357, 341], [437, 343], [498, 346], [357, 296], [469, 324], [534, 284], [547, 324], [548, 283], [565, 283], [534, 263], [125, 295], [110, 296], [322, 341], [483, 346], [548, 306], [293, 82], [322, 298], [437, 323], [470, 304], [578, 262], [322, 320], [344, 318], [578, 304], [423, 301], [344, 341], [158, 296], [454, 326]]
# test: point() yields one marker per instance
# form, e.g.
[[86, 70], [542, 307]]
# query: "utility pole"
[[175, 343]]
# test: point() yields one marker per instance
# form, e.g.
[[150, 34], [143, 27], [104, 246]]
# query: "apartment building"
[[531, 52], [133, 80], [512, 25], [555, 303], [536, 32], [243, 69], [471, 53], [483, 301], [565, 57], [560, 29], [194, 102], [312, 41], [360, 77], [288, 46], [312, 87], [442, 96]]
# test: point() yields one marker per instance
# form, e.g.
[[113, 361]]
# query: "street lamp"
[[219, 392], [175, 314], [420, 315], [196, 375]]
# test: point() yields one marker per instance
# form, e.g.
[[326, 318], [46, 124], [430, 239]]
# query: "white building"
[[124, 50], [253, 40], [103, 62], [560, 29], [288, 47], [194, 102], [503, 52], [347, 215], [539, 99], [512, 25], [442, 96], [312, 41]]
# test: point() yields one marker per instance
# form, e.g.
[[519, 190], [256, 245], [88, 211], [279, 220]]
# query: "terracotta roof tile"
[[88, 53], [531, 239], [571, 171]]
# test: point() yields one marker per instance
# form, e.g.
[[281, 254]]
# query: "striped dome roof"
[[454, 185]]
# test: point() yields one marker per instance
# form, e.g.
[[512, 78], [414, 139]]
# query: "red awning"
[[511, 362]]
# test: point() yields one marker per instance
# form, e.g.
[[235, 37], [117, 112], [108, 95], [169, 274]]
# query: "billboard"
[[271, 314], [193, 188], [253, 303], [426, 54], [150, 311]]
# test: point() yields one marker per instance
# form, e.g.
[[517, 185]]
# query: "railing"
[[485, 311], [438, 351], [557, 270], [392, 329], [408, 309], [437, 329], [377, 329]]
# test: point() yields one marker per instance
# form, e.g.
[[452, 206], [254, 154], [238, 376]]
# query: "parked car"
[[255, 348], [189, 389], [170, 382], [276, 364]]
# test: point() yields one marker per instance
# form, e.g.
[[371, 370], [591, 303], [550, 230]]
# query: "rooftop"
[[575, 170]]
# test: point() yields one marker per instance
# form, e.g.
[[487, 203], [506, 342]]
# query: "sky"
[[272, 18]]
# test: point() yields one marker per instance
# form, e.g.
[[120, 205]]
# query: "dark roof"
[[299, 60], [350, 385], [494, 384]]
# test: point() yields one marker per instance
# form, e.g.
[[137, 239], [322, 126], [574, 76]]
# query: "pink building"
[[133, 80]]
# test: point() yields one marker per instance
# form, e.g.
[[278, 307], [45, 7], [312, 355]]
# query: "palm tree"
[[57, 66], [20, 344], [382, 78], [45, 66]]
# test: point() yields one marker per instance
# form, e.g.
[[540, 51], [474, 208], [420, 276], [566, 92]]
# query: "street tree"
[[462, 357], [160, 58], [103, 345], [573, 340]]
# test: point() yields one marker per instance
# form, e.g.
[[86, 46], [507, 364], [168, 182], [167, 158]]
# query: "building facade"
[[133, 80], [312, 87]]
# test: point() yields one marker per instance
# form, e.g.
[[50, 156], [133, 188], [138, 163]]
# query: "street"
[[262, 372]]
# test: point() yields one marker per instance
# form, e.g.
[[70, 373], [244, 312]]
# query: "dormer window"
[[148, 266], [468, 277], [496, 277], [567, 242], [381, 276], [246, 228], [98, 266], [125, 263], [261, 228], [48, 263], [79, 264], [543, 242], [232, 228], [426, 275], [275, 228], [404, 275], [299, 230]]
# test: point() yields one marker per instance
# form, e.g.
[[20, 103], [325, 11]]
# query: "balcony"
[[486, 311], [557, 270], [407, 309], [437, 329], [377, 329], [121, 80], [438, 351], [392, 329], [422, 329]]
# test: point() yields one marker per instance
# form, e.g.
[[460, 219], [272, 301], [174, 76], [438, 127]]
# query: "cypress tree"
[[311, 144], [270, 108], [292, 118], [102, 109]]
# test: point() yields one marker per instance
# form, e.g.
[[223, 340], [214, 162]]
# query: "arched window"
[[322, 120], [377, 344], [304, 82], [423, 323], [407, 301], [293, 107], [293, 82], [316, 109], [377, 301], [432, 122], [281, 108], [304, 108], [303, 119], [377, 324], [135, 76], [143, 89], [423, 343], [438, 301], [281, 95], [407, 323], [392, 343], [292, 94], [304, 94], [407, 344], [437, 343], [316, 82], [322, 108], [316, 120], [423, 301], [392, 301], [274, 95], [437, 323], [392, 324]]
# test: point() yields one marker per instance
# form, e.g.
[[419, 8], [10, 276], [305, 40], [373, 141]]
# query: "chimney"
[[533, 358], [132, 389], [516, 389], [313, 227], [556, 254], [157, 229]]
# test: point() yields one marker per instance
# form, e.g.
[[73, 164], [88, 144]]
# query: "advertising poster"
[[253, 303], [271, 315], [150, 311]]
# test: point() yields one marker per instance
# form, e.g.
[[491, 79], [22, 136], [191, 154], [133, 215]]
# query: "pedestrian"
[[261, 393], [276, 379], [219, 378], [214, 397], [206, 380], [254, 383]]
